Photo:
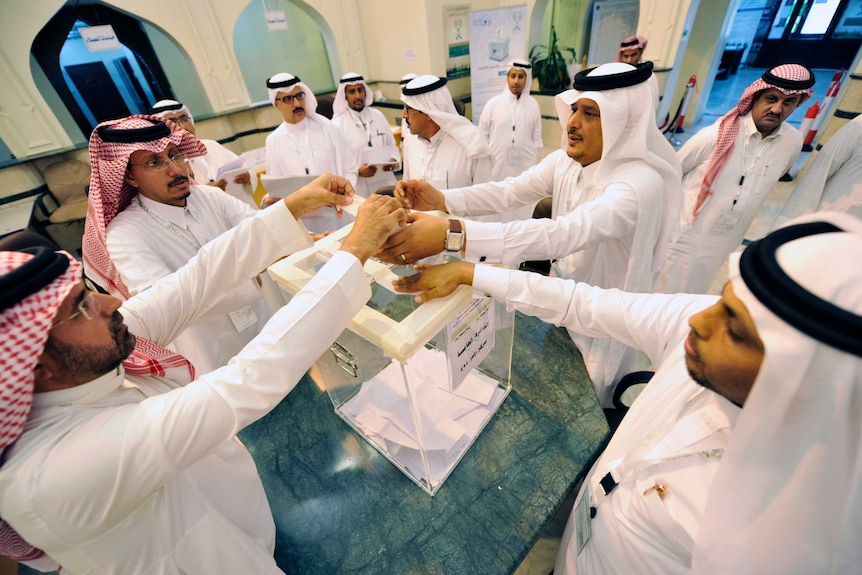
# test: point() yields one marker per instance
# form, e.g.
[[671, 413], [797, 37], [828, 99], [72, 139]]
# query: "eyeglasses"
[[161, 164], [89, 306], [289, 99]]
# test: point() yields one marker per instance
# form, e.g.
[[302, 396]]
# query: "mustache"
[[178, 180], [573, 132], [300, 109]]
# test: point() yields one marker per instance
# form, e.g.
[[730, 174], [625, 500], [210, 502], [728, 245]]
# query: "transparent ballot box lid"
[[419, 382]]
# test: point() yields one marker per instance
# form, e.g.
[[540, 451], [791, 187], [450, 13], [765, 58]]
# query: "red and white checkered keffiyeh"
[[110, 194], [24, 330], [729, 126]]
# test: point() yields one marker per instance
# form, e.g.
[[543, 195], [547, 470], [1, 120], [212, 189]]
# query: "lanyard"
[[183, 234], [512, 108], [747, 165], [688, 431]]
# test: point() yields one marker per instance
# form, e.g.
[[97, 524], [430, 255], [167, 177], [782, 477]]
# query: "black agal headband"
[[813, 316], [415, 91], [283, 84], [45, 266], [585, 83], [157, 131]]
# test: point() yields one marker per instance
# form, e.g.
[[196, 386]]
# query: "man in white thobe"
[[365, 129], [146, 220], [449, 151], [728, 169], [833, 180], [127, 463], [305, 144], [718, 466], [616, 195], [512, 125]]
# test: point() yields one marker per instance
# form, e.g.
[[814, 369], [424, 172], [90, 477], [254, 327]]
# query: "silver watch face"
[[454, 241]]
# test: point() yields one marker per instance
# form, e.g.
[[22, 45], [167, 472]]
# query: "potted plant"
[[549, 64]]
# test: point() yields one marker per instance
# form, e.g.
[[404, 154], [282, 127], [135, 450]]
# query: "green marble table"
[[341, 507]]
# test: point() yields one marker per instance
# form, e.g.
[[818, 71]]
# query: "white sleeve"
[[648, 322], [147, 443], [498, 197], [612, 215]]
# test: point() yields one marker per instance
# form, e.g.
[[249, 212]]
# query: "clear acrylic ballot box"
[[419, 382]]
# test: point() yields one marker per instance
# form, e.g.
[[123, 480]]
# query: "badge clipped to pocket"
[[725, 224]]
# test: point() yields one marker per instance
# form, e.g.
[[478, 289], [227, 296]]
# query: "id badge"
[[725, 224], [243, 318], [512, 155], [582, 522]]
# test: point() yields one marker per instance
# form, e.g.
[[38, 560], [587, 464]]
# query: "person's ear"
[[129, 178], [45, 371]]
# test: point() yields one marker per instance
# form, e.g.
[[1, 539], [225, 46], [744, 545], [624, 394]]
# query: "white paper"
[[278, 187], [379, 156]]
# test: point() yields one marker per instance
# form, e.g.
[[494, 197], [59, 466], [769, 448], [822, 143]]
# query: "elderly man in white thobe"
[[728, 169], [366, 131], [116, 459], [204, 168], [305, 144], [449, 151], [146, 219], [720, 464], [616, 200]]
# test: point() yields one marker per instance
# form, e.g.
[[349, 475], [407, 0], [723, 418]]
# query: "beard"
[[86, 362]]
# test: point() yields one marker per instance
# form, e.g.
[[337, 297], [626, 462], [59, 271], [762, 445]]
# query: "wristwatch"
[[454, 237]]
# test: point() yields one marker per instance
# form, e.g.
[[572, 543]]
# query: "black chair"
[[24, 239]]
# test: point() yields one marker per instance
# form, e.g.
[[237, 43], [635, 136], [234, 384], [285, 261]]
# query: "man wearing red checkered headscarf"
[[146, 219], [111, 466], [728, 168]]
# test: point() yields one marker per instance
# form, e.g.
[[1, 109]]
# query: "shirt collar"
[[173, 214], [750, 129], [80, 394]]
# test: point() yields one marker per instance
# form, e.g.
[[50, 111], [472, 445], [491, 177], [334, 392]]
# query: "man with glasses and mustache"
[[615, 184], [728, 168], [305, 143], [116, 457], [145, 220]]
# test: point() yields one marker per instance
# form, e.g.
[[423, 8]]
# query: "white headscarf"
[[437, 103], [339, 105], [289, 81], [631, 139], [787, 497], [405, 79], [524, 66], [162, 108]]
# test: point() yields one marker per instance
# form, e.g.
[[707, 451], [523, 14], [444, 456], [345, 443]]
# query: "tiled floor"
[[724, 96]]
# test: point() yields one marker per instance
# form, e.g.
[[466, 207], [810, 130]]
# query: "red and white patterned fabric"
[[24, 329], [729, 126], [110, 194]]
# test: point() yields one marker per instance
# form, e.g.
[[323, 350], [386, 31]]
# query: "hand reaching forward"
[[375, 220], [422, 238], [434, 282], [324, 190], [419, 195]]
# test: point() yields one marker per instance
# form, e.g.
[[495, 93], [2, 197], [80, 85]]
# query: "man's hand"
[[366, 171], [222, 183], [242, 179], [375, 220], [434, 282], [422, 238], [324, 190], [420, 195]]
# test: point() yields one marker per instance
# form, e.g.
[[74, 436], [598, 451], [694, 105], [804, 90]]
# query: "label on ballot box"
[[419, 382]]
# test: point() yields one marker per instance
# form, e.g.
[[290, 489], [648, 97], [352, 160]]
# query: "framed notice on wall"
[[613, 22], [457, 34]]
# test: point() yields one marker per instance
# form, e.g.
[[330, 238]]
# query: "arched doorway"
[[96, 87]]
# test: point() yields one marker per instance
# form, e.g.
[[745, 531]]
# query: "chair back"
[[68, 180]]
